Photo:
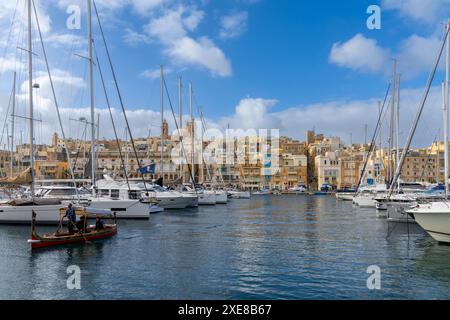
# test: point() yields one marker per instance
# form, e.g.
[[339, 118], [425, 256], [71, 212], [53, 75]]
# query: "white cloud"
[[333, 118], [172, 30], [64, 39], [417, 54], [10, 64], [133, 38], [201, 52], [153, 74], [145, 6], [338, 118], [171, 25], [253, 113], [360, 53], [428, 11], [233, 25]]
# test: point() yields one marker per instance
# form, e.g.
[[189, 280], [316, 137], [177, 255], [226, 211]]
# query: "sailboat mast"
[[391, 126], [91, 90], [192, 131], [398, 129], [202, 173], [30, 94], [351, 161], [11, 161], [180, 112], [446, 107], [162, 121]]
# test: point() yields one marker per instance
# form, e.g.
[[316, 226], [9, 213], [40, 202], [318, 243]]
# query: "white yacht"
[[205, 197], [221, 197], [166, 199], [365, 198], [236, 194], [434, 218], [19, 211], [126, 203], [345, 196]]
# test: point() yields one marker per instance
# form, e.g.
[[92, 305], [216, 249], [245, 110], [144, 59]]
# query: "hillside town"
[[318, 162]]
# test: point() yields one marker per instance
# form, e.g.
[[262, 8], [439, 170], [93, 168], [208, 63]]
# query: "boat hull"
[[179, 202], [364, 201], [239, 194], [207, 198], [47, 215], [221, 197], [124, 209], [434, 218], [396, 212], [40, 242], [345, 196]]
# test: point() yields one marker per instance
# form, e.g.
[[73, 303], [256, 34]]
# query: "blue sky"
[[291, 65]]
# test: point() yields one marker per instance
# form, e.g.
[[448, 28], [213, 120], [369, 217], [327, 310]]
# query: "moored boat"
[[85, 234]]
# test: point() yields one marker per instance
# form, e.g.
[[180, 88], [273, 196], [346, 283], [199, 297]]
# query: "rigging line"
[[429, 156], [419, 111], [112, 119], [6, 119], [202, 118], [119, 95], [55, 100], [373, 142], [179, 134], [78, 148], [8, 38]]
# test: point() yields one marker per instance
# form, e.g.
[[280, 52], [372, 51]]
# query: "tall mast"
[[397, 157], [351, 160], [180, 112], [202, 173], [30, 94], [162, 121], [11, 161], [446, 107], [391, 126], [380, 145], [91, 89], [192, 131]]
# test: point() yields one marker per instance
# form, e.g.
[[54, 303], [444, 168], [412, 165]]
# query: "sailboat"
[[19, 211], [434, 217]]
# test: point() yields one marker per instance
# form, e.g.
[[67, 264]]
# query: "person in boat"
[[81, 225], [71, 217], [99, 223]]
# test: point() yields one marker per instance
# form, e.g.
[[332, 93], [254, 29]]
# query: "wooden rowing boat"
[[87, 234]]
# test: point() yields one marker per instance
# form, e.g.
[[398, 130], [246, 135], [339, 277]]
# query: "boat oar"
[[80, 232]]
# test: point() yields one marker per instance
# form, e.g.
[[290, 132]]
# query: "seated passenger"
[[81, 225], [99, 224]]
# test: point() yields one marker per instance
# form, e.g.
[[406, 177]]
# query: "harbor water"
[[268, 247]]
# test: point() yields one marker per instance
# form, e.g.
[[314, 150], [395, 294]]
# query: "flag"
[[148, 169]]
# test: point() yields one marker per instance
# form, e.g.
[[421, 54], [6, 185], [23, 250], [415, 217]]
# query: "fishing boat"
[[86, 234]]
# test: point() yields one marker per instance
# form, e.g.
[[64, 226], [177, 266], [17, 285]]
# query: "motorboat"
[[345, 196], [236, 194], [166, 199], [205, 197], [127, 203], [221, 197], [261, 192], [434, 218]]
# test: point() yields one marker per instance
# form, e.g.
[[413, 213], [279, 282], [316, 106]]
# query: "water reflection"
[[288, 247]]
